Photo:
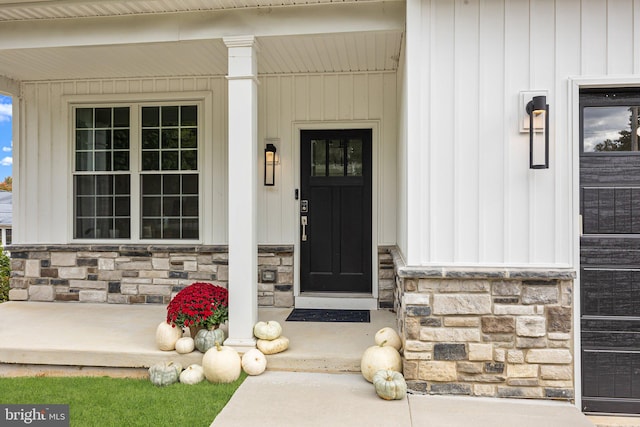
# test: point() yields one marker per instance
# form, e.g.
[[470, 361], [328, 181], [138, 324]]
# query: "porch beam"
[[243, 165], [157, 28]]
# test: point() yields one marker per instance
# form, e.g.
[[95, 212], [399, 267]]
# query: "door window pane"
[[610, 129], [336, 158], [318, 158], [354, 157]]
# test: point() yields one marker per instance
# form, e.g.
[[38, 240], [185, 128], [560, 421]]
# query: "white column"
[[243, 143]]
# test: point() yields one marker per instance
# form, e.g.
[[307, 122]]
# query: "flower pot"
[[193, 331]]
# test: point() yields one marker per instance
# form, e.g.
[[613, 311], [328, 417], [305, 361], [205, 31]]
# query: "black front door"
[[610, 250], [335, 211]]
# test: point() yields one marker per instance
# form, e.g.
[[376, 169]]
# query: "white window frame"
[[135, 102]]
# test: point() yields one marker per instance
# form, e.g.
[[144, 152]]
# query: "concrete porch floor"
[[109, 339], [55, 339]]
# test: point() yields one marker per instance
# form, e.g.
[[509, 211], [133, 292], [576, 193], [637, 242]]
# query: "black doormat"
[[317, 315]]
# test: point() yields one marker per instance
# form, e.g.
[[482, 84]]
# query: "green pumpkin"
[[206, 339], [166, 373], [390, 385]]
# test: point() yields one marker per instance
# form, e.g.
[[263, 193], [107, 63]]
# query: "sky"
[[6, 143]]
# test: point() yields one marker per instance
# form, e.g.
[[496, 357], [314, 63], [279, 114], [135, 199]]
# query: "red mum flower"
[[199, 304]]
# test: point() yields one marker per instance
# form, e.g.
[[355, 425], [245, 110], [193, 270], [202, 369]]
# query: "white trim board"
[[349, 303]]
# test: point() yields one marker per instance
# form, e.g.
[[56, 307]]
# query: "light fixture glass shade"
[[538, 111], [270, 165]]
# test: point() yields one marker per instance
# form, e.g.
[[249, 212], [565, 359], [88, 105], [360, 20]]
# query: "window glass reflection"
[[610, 129]]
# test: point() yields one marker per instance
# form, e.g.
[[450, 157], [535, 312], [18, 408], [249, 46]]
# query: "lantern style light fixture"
[[538, 111], [270, 165]]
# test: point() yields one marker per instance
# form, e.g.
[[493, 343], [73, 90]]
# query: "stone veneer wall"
[[386, 277], [137, 274], [498, 333]]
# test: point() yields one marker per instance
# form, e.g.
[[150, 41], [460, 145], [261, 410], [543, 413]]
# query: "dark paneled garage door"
[[610, 250]]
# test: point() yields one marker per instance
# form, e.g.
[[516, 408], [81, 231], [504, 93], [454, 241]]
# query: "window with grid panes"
[[165, 183]]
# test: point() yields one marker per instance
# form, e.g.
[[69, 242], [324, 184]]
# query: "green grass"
[[102, 401]]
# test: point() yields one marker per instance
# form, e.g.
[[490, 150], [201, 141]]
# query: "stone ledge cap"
[[485, 273]]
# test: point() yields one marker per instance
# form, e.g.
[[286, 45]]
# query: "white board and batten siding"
[[469, 198], [44, 154], [320, 101]]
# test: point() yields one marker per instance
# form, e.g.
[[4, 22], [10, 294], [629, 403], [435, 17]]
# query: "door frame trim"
[[316, 300], [573, 131]]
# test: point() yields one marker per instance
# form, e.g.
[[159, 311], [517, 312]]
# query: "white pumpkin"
[[196, 366], [221, 364], [254, 362], [388, 336], [379, 357], [267, 330], [192, 375], [167, 335], [185, 345], [278, 345]]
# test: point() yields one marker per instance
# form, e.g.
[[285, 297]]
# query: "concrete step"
[[324, 347]]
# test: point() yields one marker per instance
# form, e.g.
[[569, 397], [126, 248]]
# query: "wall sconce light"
[[270, 165], [538, 111]]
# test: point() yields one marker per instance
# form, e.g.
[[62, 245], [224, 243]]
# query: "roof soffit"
[[283, 21], [18, 10]]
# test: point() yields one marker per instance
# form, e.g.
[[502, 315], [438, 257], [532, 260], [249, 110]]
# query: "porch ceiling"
[[90, 39], [348, 52]]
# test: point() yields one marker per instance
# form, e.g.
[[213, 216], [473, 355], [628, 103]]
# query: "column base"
[[241, 345]]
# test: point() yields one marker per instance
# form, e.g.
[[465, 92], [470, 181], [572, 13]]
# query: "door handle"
[[303, 222]]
